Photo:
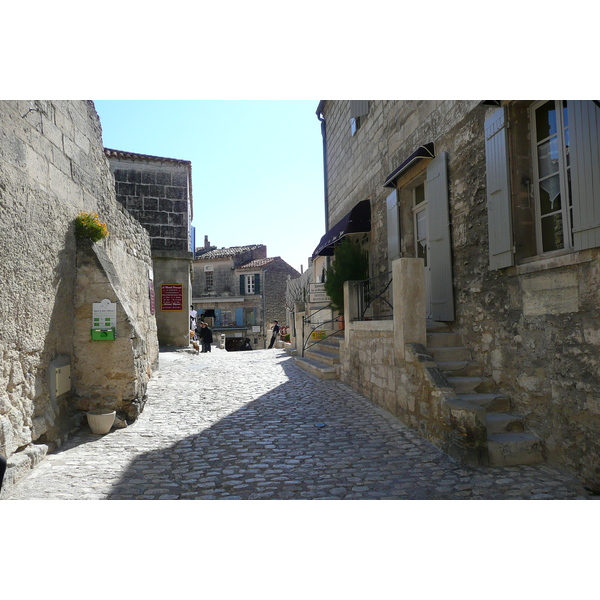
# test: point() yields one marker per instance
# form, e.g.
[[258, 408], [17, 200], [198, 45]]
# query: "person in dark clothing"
[[275, 333], [206, 337], [246, 345], [2, 469]]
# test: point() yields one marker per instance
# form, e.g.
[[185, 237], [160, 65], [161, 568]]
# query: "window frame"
[[563, 172]]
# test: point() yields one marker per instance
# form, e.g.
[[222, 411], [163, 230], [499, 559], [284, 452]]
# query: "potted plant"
[[350, 263]]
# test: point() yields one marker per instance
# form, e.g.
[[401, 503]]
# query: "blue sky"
[[257, 166]]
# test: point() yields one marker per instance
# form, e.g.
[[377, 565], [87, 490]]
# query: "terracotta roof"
[[257, 263], [229, 252], [120, 154]]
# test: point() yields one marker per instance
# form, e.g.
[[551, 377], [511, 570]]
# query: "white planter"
[[101, 420]]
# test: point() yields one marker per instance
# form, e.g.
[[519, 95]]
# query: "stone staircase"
[[508, 442], [323, 358]]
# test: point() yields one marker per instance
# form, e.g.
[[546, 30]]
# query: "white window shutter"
[[584, 130], [393, 227], [498, 192], [438, 231]]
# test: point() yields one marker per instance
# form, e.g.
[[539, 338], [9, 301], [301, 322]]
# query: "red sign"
[[171, 296], [151, 295]]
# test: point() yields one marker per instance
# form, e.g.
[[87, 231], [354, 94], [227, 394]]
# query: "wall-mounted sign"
[[171, 296], [104, 314], [317, 293]]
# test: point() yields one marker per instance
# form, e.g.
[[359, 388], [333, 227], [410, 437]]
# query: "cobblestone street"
[[252, 425]]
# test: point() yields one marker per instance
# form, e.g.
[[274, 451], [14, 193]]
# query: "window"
[[552, 176], [249, 285], [209, 281], [543, 189]]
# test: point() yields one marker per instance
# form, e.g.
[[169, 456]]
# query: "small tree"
[[350, 263]]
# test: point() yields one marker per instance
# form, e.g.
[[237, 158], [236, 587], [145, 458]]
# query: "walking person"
[[206, 337], [275, 333], [2, 469]]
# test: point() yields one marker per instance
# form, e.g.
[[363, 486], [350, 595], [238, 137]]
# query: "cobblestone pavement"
[[253, 425]]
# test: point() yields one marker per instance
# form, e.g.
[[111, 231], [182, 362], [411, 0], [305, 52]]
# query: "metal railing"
[[308, 320], [374, 298]]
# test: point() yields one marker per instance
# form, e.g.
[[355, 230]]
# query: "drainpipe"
[[264, 299], [325, 185]]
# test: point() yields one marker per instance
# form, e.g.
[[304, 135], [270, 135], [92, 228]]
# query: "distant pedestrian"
[[193, 315], [2, 469], [206, 337], [275, 333]]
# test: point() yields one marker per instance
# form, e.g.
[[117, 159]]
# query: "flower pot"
[[101, 420]]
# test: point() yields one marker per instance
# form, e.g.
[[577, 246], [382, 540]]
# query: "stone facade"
[[533, 320], [242, 290], [157, 191], [52, 166]]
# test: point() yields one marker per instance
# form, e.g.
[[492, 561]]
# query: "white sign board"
[[104, 315], [317, 293]]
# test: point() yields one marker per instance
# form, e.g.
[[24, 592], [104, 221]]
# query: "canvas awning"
[[358, 220], [425, 151]]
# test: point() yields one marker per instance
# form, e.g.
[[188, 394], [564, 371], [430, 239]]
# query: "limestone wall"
[[536, 326], [52, 166]]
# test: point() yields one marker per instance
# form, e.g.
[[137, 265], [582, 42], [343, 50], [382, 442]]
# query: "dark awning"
[[425, 151], [358, 220]]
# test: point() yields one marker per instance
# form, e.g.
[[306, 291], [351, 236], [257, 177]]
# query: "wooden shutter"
[[239, 317], [393, 227], [498, 193], [242, 285], [584, 130], [257, 284], [438, 231]]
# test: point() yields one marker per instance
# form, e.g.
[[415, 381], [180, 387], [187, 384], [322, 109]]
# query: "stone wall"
[[52, 166], [535, 326], [157, 192]]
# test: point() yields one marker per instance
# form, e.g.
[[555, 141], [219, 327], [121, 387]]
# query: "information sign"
[[317, 293], [171, 296]]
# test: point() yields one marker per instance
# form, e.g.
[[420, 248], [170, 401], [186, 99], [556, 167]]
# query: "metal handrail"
[[373, 289], [305, 344]]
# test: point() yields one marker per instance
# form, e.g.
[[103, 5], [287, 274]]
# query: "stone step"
[[503, 423], [518, 448], [438, 326], [316, 368], [460, 368], [491, 402], [450, 353], [322, 355], [443, 339], [470, 385]]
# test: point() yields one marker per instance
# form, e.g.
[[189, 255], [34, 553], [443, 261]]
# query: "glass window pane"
[[550, 200], [552, 233], [548, 157], [545, 121], [421, 225], [419, 194]]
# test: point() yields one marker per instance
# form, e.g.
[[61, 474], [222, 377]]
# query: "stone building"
[[485, 221], [240, 291], [52, 167], [157, 191]]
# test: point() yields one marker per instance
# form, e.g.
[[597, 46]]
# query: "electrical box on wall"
[[62, 380]]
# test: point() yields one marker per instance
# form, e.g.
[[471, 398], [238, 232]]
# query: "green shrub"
[[350, 263], [89, 227]]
